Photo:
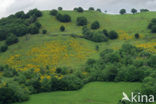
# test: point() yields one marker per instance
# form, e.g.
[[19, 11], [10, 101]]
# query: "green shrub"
[[122, 11], [137, 36], [60, 8], [95, 25], [134, 11], [3, 48], [80, 9], [91, 8], [62, 28], [7, 96], [144, 10], [81, 21], [105, 32], [35, 12], [33, 29], [152, 61], [53, 12], [11, 39], [63, 18], [113, 35], [99, 10], [153, 30], [44, 31]]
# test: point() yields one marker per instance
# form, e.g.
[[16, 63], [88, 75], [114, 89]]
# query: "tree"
[[44, 31], [3, 48], [134, 11], [6, 96], [11, 39], [153, 30], [62, 28], [91, 8], [137, 36], [95, 25], [35, 12], [3, 34], [33, 29], [105, 32], [99, 10], [152, 61], [38, 25], [81, 21], [80, 9], [113, 35], [53, 12], [122, 11], [20, 14], [63, 18], [144, 10], [60, 8]]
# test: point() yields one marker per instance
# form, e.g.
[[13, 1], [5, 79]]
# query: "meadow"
[[59, 61], [92, 93]]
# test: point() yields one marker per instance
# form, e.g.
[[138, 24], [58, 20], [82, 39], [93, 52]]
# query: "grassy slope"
[[129, 24], [92, 93]]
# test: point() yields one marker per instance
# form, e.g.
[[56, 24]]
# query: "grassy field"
[[75, 52], [92, 93]]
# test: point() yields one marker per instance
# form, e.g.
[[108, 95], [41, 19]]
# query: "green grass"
[[128, 23], [92, 93]]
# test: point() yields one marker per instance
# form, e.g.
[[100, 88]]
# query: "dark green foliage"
[[153, 29], [70, 82], [53, 12], [20, 14], [62, 28], [35, 12], [97, 48], [19, 24], [152, 25], [122, 11], [105, 32], [81, 21], [152, 61], [79, 9], [137, 36], [3, 48], [144, 10], [60, 8], [33, 29], [99, 10], [63, 18], [94, 36], [121, 65], [6, 96], [11, 39], [9, 72], [134, 11], [95, 25], [91, 8], [44, 31], [113, 35], [3, 34]]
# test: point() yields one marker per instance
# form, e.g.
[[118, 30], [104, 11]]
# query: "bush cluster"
[[152, 25], [81, 21], [99, 36], [63, 18], [18, 25]]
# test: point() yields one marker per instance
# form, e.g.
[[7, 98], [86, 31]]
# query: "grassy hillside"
[[92, 93], [22, 54], [128, 23]]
